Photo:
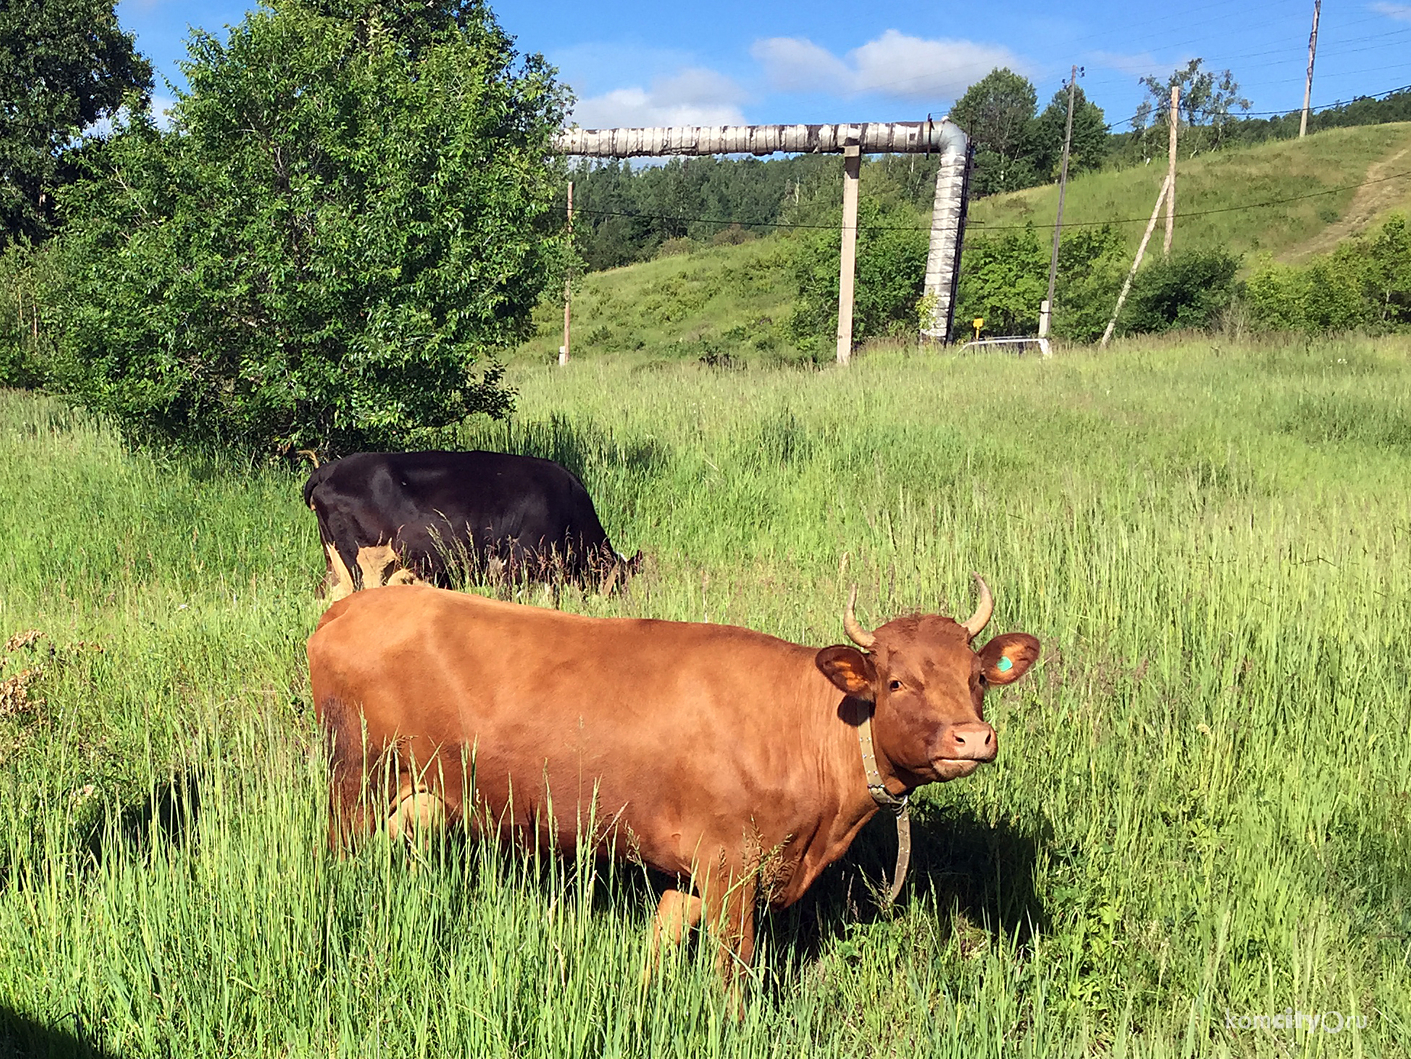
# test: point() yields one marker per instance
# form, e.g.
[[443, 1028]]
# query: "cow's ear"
[[1008, 657], [850, 669]]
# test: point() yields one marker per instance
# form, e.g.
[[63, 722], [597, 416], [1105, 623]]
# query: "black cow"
[[405, 517]]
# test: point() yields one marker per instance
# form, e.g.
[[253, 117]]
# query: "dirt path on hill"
[[1368, 202]]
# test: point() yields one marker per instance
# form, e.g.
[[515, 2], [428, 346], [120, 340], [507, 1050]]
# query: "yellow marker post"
[[979, 322]]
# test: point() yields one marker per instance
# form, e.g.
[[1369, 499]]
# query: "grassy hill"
[[1337, 158], [731, 302], [728, 300]]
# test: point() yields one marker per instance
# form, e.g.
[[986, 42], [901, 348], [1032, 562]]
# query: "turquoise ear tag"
[[1005, 665]]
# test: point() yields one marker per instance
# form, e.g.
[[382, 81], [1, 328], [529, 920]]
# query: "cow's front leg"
[[678, 913], [730, 915], [337, 580]]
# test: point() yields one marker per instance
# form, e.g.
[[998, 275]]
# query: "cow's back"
[[437, 509]]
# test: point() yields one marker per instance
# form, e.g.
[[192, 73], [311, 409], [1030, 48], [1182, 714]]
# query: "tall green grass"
[[1201, 809]]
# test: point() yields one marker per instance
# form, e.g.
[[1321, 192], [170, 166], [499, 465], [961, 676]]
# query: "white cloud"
[[693, 96], [1400, 12], [895, 65], [595, 67], [794, 64]]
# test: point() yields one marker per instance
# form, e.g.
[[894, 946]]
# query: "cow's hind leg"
[[348, 816], [678, 912]]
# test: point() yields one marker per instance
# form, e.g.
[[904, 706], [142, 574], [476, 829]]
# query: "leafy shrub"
[[732, 236], [352, 210], [1365, 283], [891, 272], [1387, 281], [26, 343], [1004, 279], [1092, 263], [1186, 291], [676, 246]]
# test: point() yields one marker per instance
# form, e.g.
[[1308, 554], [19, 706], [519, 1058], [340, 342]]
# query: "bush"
[[1004, 279], [1363, 284], [1387, 280], [352, 211], [26, 346], [732, 236], [676, 246], [1185, 291], [891, 273]]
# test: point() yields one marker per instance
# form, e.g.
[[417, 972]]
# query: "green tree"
[[64, 64], [1003, 281], [1388, 272], [997, 112], [1207, 104], [355, 205], [1365, 283], [1089, 147]]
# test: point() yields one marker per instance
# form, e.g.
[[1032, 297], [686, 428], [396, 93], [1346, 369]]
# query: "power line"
[[801, 226], [1281, 113]]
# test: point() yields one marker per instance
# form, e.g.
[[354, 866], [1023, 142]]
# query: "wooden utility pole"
[[1137, 261], [1175, 117], [567, 283], [1308, 85], [1046, 315], [847, 263]]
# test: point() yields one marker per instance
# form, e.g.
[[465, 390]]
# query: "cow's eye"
[[895, 685]]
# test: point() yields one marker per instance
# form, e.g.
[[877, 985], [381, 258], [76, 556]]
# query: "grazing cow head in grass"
[[926, 683]]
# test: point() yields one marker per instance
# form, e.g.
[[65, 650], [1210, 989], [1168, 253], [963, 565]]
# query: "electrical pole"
[[1046, 313], [1171, 170], [1308, 85], [567, 282], [1136, 261]]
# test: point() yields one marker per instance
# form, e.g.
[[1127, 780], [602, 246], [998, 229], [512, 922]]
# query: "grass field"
[[1200, 816]]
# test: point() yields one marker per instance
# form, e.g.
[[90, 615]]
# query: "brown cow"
[[724, 757]]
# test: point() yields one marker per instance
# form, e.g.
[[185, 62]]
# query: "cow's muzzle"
[[971, 741]]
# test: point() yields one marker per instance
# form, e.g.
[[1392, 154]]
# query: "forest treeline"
[[625, 212]]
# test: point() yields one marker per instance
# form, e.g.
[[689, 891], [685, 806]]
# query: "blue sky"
[[726, 62]]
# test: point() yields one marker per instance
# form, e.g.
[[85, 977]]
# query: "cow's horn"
[[983, 609], [856, 633]]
